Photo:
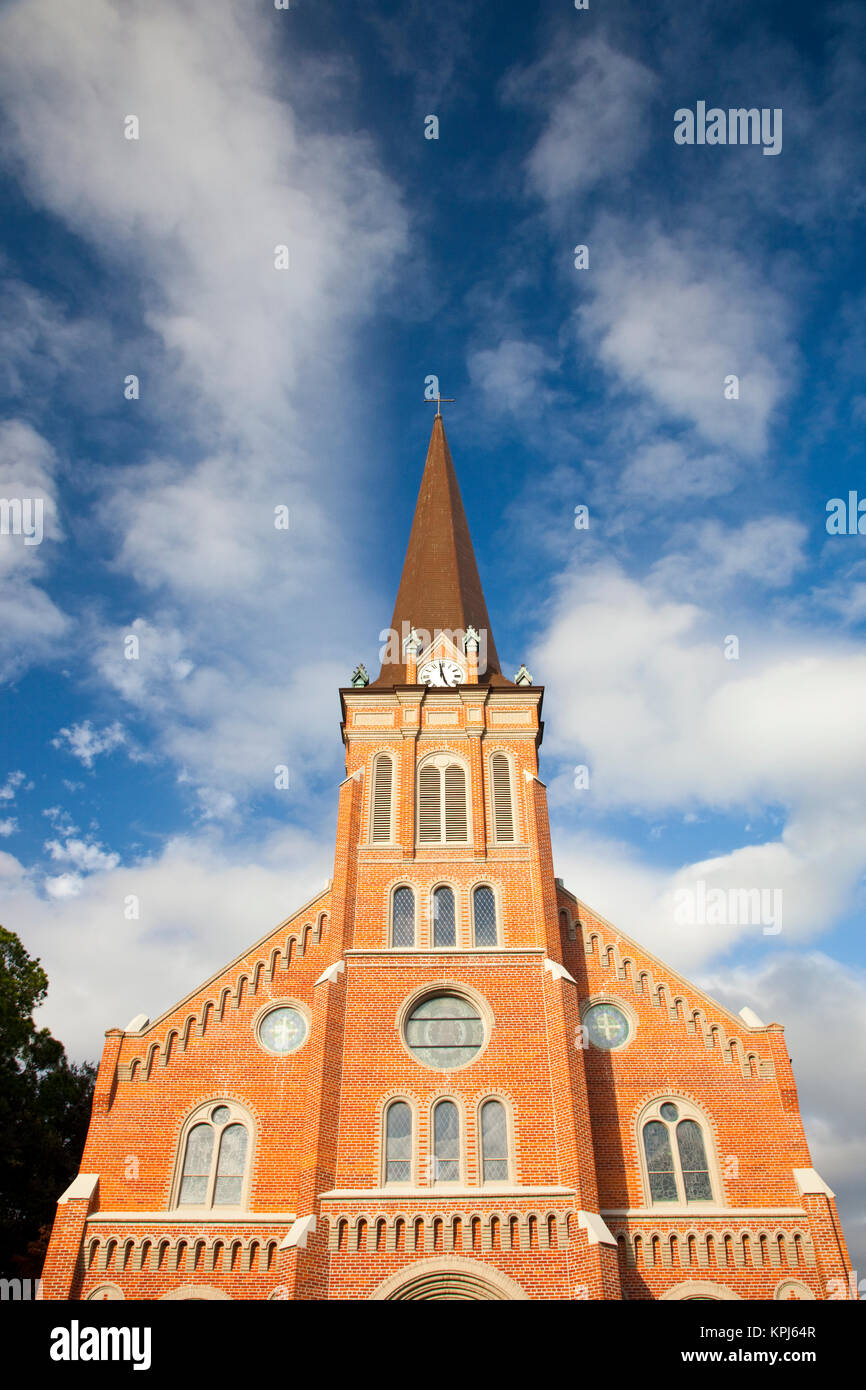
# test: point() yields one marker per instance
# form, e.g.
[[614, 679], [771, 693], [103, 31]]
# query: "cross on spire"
[[437, 401]]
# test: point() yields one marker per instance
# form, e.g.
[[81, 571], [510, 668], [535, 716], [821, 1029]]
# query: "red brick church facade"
[[445, 1076]]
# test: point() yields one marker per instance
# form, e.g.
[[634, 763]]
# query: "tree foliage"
[[44, 1112]]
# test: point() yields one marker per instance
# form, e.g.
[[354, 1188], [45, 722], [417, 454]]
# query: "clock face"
[[441, 673]]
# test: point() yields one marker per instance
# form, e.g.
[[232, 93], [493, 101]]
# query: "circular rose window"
[[608, 1026], [444, 1032], [283, 1030]]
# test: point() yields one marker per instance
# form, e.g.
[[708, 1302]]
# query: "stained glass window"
[[444, 1032], [693, 1159], [283, 1030], [484, 916], [215, 1160], [607, 1026], [230, 1167], [403, 918], [197, 1165], [659, 1162], [494, 1142], [444, 921], [398, 1143], [446, 1142], [676, 1158]]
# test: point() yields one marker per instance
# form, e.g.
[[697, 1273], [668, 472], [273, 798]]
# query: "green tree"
[[44, 1112]]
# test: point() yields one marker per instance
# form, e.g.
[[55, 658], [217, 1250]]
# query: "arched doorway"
[[449, 1280]]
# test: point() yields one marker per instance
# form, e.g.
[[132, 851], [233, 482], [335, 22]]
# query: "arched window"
[[380, 810], [503, 813], [676, 1156], [398, 1142], [484, 916], [403, 917], [215, 1158], [444, 919], [494, 1142], [446, 1142], [442, 810]]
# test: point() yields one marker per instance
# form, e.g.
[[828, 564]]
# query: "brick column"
[[64, 1263], [304, 1271]]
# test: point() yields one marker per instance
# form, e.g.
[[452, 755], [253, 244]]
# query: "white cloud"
[[226, 168], [639, 691], [244, 641], [10, 787], [64, 885], [822, 1004], [8, 826], [665, 472], [201, 902], [707, 557], [86, 743], [511, 376], [215, 805], [31, 625], [595, 99], [86, 855], [672, 322]]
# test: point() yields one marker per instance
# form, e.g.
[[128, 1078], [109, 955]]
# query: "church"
[[445, 1076]]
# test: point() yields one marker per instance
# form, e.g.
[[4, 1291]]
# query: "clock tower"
[[445, 1076]]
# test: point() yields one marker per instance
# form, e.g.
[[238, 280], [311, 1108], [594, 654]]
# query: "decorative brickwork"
[[581, 1192]]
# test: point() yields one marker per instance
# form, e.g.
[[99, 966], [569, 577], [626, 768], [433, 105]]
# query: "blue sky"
[[601, 387]]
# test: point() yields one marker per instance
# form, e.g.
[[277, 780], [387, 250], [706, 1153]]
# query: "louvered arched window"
[[444, 917], [503, 809], [403, 917], [484, 916], [442, 809], [494, 1142], [382, 800], [398, 1142], [214, 1162]]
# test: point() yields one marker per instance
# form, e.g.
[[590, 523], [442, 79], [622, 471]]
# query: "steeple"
[[440, 588]]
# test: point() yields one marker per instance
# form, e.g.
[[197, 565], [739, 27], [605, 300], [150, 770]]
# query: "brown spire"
[[440, 587]]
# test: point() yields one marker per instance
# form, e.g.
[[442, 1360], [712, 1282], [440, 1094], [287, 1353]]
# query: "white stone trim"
[[702, 1209], [432, 1194], [80, 1189], [330, 974], [700, 1288], [558, 971], [783, 1290], [809, 1182], [188, 1216], [301, 1228], [502, 1288], [137, 1024], [597, 1232], [204, 1292]]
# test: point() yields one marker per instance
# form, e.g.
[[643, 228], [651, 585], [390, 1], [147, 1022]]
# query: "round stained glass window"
[[669, 1111], [283, 1030], [608, 1026], [220, 1114], [444, 1032]]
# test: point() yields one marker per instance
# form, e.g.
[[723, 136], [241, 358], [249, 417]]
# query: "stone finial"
[[359, 675], [470, 640], [523, 677], [412, 644]]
